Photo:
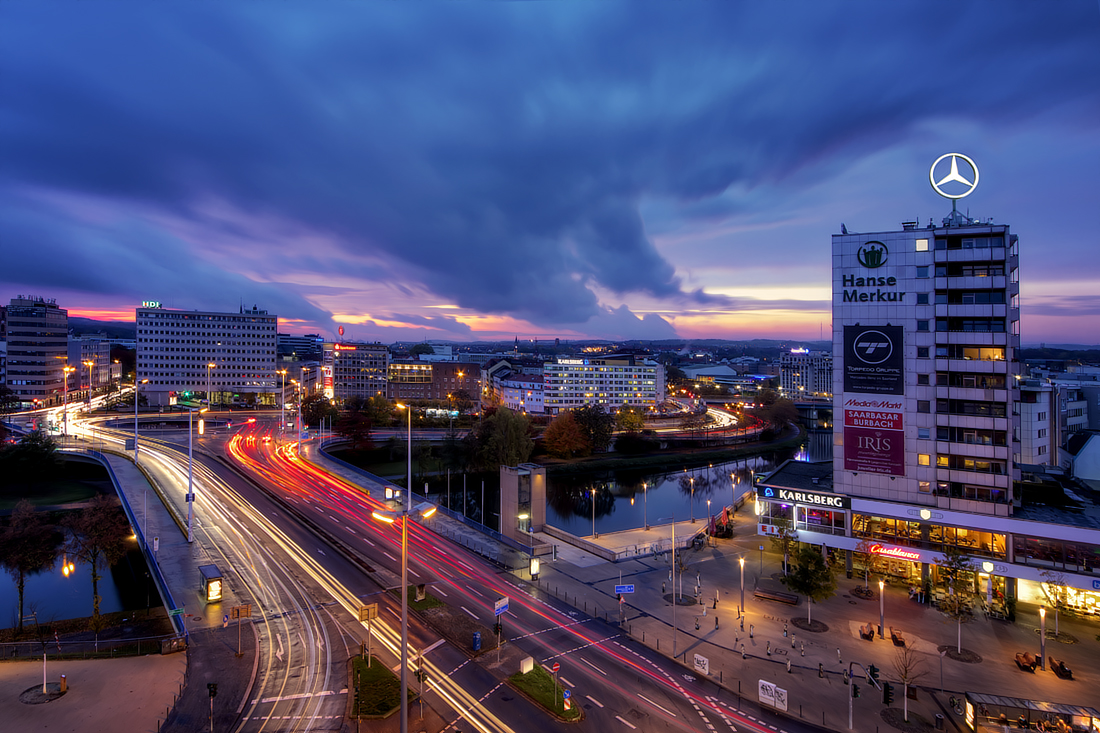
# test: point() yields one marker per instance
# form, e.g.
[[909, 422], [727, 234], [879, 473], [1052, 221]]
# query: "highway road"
[[620, 684]]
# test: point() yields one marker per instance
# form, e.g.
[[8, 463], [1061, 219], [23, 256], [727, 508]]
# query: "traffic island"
[[377, 690], [542, 689]]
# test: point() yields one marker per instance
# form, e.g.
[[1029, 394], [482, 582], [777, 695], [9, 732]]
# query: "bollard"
[[742, 617], [751, 628], [64, 684], [742, 651], [788, 666], [803, 648], [696, 623], [769, 648], [820, 669], [715, 623], [792, 640], [838, 659], [784, 629]]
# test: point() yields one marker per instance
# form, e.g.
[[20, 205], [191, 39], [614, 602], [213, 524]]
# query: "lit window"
[[923, 459], [922, 245]]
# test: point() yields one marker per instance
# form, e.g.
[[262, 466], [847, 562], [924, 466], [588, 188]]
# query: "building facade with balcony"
[[806, 375], [612, 382], [356, 369], [37, 335]]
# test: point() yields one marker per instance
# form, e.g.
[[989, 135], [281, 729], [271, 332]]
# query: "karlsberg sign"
[[808, 498]]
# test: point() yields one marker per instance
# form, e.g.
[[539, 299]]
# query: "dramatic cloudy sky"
[[475, 170]]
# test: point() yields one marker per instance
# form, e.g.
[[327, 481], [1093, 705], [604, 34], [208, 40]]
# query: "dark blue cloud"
[[494, 154]]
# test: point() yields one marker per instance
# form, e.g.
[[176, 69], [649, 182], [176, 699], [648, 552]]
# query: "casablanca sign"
[[895, 552]]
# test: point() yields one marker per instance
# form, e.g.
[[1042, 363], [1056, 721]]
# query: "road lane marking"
[[472, 614], [662, 709], [628, 725], [566, 682], [439, 591], [389, 555], [474, 591], [592, 666], [433, 646], [594, 700], [414, 572]]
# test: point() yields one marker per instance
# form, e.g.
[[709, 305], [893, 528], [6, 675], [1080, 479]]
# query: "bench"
[[867, 631], [1026, 662], [776, 595], [1059, 668], [896, 637]]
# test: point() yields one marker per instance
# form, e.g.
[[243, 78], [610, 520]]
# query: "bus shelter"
[[997, 713]]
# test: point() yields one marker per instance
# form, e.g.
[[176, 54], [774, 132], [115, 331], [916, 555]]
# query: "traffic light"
[[872, 673], [497, 628], [212, 688], [887, 693], [855, 690]]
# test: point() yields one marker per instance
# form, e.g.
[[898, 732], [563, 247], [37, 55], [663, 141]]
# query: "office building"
[[612, 382], [927, 442], [357, 370], [37, 335], [181, 351], [433, 380], [806, 375]]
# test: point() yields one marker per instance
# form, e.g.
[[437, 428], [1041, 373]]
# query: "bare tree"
[[956, 573], [909, 666], [871, 561], [28, 546], [98, 537], [1056, 592], [785, 540]]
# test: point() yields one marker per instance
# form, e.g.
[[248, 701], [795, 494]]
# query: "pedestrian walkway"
[[738, 656]]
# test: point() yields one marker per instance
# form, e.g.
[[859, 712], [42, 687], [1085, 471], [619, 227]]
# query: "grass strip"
[[377, 689], [540, 686]]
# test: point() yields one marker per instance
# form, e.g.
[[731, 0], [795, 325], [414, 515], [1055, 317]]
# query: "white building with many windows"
[[805, 374], [182, 351], [612, 382]]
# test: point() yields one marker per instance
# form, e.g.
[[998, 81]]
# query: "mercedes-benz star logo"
[[953, 176]]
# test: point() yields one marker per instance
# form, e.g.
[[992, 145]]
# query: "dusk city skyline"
[[483, 171]]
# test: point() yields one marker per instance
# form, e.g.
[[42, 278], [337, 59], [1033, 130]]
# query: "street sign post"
[[367, 613], [501, 606], [620, 589], [239, 612], [554, 668]]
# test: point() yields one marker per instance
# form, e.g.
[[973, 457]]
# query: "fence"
[[90, 648]]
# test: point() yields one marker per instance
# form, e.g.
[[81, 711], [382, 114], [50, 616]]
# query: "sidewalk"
[[588, 583]]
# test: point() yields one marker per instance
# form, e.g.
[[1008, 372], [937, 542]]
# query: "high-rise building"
[[928, 449], [179, 351], [805, 374], [37, 334], [356, 370]]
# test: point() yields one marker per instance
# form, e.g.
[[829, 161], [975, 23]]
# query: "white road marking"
[[299, 696], [662, 709], [433, 646], [472, 614], [474, 591], [414, 572], [592, 666], [566, 682], [594, 700], [368, 542], [628, 725], [439, 591], [389, 555]]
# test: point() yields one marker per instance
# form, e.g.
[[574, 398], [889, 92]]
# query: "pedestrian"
[[715, 623], [662, 587]]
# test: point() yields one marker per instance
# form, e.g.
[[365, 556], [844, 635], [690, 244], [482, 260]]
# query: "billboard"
[[874, 435], [874, 360]]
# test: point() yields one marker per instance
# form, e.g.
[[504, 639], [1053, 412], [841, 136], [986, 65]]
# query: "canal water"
[[626, 499]]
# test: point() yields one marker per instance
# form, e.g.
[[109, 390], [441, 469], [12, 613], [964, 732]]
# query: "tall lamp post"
[[1042, 638], [66, 371], [137, 389], [409, 454], [741, 560], [91, 377], [594, 535], [190, 469], [692, 479], [425, 510], [675, 599], [645, 503], [209, 366], [881, 608], [282, 400]]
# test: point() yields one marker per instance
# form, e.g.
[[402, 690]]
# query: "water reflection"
[[629, 498]]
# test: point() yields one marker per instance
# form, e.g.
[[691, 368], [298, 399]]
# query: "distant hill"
[[113, 329]]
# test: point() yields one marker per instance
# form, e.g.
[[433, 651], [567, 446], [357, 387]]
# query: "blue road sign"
[[624, 588], [566, 694], [501, 606]]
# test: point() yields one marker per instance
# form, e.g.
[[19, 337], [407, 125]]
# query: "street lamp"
[[675, 599], [594, 535], [66, 371], [209, 366], [741, 560], [881, 609], [137, 389], [91, 374], [425, 510], [409, 453], [708, 521], [190, 467], [645, 505], [692, 479], [1042, 638], [282, 400]]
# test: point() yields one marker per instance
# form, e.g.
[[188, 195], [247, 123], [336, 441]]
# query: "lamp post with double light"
[[881, 608], [594, 535], [1043, 637], [425, 510], [741, 561], [645, 503], [137, 390], [409, 454], [90, 364], [66, 371], [190, 469]]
